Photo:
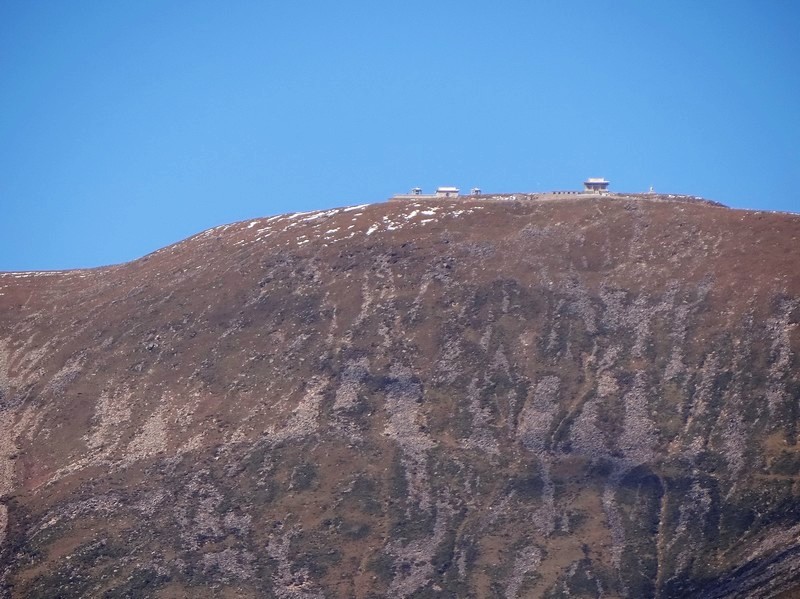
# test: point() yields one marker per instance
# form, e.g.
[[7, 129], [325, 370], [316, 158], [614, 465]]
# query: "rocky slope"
[[508, 398]]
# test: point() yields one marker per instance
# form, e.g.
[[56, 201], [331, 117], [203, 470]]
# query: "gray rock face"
[[496, 398]]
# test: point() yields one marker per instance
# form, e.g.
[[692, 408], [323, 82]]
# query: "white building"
[[595, 185], [441, 193], [447, 192]]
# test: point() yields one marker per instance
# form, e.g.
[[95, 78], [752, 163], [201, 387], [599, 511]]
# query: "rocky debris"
[[414, 559], [525, 564], [290, 582], [406, 427], [480, 437]]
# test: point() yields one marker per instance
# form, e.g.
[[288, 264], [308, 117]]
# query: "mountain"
[[508, 397]]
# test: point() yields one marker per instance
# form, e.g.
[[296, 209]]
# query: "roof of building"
[[447, 189]]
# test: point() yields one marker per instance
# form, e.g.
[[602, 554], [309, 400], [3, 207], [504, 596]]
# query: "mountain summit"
[[518, 397]]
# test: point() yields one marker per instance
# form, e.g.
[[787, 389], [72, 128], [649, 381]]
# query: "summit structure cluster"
[[592, 185]]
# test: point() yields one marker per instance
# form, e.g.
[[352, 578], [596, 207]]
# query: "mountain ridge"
[[465, 398]]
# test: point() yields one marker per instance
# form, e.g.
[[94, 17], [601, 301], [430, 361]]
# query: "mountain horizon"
[[514, 395]]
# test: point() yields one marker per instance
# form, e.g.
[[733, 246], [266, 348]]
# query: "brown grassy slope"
[[562, 398]]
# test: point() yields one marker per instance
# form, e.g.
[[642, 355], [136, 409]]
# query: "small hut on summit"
[[447, 192], [595, 185]]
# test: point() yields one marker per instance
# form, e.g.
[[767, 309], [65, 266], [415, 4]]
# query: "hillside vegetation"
[[562, 398]]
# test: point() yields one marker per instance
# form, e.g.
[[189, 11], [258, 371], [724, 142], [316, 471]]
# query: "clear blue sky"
[[128, 125]]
